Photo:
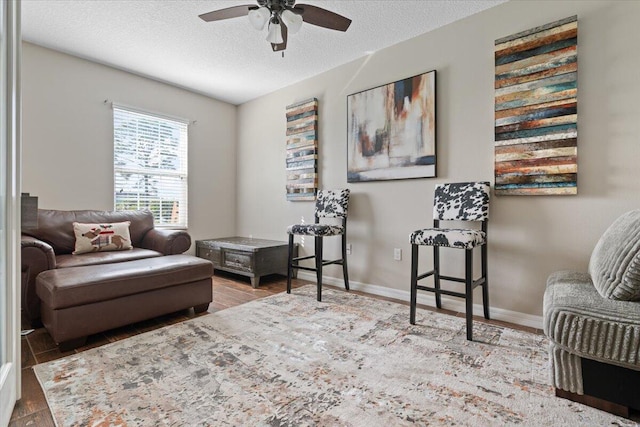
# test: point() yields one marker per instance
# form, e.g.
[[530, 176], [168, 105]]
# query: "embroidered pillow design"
[[102, 237]]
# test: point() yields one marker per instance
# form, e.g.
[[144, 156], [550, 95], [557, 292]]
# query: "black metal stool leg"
[[345, 271], [318, 241], [414, 284], [469, 291], [436, 275], [485, 285], [290, 264]]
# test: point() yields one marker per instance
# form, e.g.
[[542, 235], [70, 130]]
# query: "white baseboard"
[[428, 299]]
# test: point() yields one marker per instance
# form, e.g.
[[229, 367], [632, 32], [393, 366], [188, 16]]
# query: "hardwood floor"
[[228, 290]]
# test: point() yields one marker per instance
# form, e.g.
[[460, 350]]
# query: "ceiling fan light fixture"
[[292, 20], [259, 17], [275, 33]]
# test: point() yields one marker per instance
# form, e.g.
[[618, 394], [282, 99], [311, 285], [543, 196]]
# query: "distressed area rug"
[[288, 360]]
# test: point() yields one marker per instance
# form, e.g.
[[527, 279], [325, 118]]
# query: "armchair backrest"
[[615, 261], [461, 201], [56, 227]]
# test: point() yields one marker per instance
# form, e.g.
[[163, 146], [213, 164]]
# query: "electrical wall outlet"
[[348, 248], [397, 254]]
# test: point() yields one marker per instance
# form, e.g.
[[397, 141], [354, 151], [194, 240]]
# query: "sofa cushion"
[[95, 258], [56, 227], [74, 286], [579, 320], [615, 261], [105, 237]]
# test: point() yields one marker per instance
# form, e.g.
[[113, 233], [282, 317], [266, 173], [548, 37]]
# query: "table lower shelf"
[[255, 280]]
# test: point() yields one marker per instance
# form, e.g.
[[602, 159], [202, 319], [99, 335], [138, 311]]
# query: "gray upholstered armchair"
[[593, 322]]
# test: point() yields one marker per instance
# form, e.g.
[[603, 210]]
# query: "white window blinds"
[[150, 165]]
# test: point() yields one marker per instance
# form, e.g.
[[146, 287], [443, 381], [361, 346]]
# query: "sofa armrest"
[[167, 242], [37, 256], [578, 320]]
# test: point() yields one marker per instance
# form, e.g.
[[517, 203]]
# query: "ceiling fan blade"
[[322, 17], [283, 45], [230, 12]]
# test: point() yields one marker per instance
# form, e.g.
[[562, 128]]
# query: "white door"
[[9, 207]]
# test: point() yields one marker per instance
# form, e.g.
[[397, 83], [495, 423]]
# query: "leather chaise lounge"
[[78, 295]]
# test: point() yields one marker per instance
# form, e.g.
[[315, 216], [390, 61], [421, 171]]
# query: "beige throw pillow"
[[102, 237]]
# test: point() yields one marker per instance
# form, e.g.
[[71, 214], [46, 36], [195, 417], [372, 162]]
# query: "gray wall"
[[68, 137], [529, 237]]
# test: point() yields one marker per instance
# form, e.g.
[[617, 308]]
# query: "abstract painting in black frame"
[[391, 130]]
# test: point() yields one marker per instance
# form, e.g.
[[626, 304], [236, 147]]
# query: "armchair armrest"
[[37, 256], [167, 242]]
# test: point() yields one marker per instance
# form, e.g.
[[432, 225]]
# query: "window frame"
[[181, 125]]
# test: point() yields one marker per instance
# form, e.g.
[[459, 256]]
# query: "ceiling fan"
[[283, 16]]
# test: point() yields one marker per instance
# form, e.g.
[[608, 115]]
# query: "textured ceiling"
[[227, 60]]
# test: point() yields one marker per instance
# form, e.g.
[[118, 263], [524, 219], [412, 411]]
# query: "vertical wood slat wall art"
[[302, 150], [536, 90]]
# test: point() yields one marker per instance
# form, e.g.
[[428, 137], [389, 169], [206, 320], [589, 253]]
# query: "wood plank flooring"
[[228, 290]]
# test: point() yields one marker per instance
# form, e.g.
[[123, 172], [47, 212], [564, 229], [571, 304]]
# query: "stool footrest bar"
[[442, 291], [427, 274]]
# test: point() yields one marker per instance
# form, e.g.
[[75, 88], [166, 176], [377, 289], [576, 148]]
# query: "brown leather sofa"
[[92, 292]]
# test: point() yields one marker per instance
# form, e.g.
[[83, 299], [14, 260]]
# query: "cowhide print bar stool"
[[466, 201], [329, 204]]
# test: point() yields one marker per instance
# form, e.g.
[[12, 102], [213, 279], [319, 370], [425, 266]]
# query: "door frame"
[[10, 49]]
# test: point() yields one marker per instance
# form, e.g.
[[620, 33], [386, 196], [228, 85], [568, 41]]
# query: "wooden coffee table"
[[246, 256]]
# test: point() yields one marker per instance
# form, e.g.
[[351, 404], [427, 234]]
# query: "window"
[[150, 165]]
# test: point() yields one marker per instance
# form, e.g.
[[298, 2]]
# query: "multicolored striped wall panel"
[[536, 132], [302, 150]]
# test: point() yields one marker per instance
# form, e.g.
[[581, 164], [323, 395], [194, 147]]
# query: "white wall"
[[68, 137], [530, 236]]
